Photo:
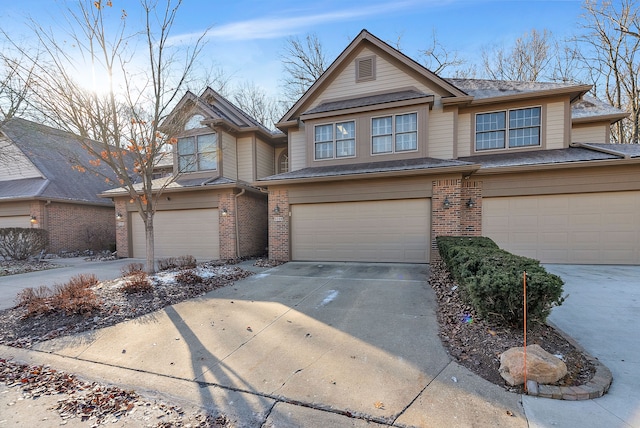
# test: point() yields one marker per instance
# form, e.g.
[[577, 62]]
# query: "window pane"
[[324, 150], [524, 117], [207, 143], [406, 122], [324, 133], [381, 126], [207, 161], [382, 144], [187, 145], [524, 137], [490, 121], [490, 140], [345, 148], [406, 141], [187, 163], [345, 130]]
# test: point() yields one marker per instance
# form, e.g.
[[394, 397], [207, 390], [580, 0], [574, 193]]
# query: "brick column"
[[227, 225], [122, 227], [471, 217], [445, 210], [279, 239]]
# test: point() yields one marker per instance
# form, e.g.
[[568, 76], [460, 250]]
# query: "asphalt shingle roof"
[[54, 153], [367, 101]]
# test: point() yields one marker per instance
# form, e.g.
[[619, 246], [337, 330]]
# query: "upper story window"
[[194, 122], [335, 140], [283, 162], [198, 153], [393, 134], [522, 129]]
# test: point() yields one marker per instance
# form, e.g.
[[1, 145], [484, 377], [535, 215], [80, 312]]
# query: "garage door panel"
[[378, 231], [15, 221], [180, 232], [578, 228]]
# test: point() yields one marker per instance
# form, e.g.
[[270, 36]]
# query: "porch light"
[[33, 220], [224, 212], [276, 210], [118, 216], [446, 204], [471, 203]]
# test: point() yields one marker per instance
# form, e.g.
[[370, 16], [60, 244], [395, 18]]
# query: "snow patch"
[[330, 297]]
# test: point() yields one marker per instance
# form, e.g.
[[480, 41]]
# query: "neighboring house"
[[384, 156], [210, 210], [42, 186]]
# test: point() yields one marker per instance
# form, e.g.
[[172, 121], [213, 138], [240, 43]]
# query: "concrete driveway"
[[303, 344], [602, 313]]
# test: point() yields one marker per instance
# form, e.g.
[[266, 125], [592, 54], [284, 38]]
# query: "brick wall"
[[253, 224], [227, 225], [122, 227], [78, 227], [279, 225], [471, 217]]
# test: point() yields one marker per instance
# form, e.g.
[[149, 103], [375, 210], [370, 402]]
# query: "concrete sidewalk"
[[303, 344], [11, 285]]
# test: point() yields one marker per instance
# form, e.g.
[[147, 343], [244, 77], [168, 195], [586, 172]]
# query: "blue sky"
[[247, 37]]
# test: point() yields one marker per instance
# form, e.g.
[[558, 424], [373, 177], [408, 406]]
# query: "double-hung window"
[[198, 153], [394, 134], [517, 128], [335, 140]]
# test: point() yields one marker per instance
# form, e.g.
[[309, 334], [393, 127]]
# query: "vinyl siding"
[[441, 134], [590, 134], [555, 127], [464, 135], [298, 153], [245, 159], [264, 159], [229, 157], [16, 165]]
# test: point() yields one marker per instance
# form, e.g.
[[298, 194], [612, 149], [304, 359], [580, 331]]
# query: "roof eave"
[[611, 118], [382, 106], [575, 92], [558, 165]]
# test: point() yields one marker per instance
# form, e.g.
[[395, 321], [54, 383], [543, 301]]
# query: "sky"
[[246, 38]]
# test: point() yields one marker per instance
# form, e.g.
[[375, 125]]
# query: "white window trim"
[[506, 135], [335, 146], [393, 134]]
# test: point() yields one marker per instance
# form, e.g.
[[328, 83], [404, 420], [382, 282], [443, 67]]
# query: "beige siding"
[[590, 134], [229, 157], [464, 135], [15, 221], [298, 153], [245, 159], [380, 231], [555, 126], [265, 165], [441, 134], [591, 228], [388, 78], [15, 165]]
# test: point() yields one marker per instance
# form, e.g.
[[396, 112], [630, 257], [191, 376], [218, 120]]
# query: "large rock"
[[542, 367]]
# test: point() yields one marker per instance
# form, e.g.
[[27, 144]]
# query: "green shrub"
[[491, 280], [19, 243]]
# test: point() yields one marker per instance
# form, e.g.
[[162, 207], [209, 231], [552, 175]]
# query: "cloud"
[[272, 27]]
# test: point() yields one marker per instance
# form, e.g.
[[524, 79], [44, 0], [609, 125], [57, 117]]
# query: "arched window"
[[283, 162], [194, 122]]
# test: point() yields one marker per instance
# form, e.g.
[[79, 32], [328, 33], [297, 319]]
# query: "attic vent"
[[365, 68]]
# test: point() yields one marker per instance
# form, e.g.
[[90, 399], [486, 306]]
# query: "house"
[[384, 156], [42, 186], [208, 207]]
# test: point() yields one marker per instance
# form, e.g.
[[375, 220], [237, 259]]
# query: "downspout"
[[237, 228]]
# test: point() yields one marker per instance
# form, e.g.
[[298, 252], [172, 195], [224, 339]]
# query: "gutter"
[[601, 150], [552, 166]]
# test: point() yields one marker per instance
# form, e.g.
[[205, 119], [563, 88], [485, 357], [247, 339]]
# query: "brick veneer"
[[471, 217], [279, 225], [122, 231], [253, 224], [74, 226], [227, 225]]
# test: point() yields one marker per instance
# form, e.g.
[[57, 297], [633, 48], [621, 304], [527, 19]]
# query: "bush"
[[188, 277], [491, 280], [182, 262], [187, 262], [137, 282], [19, 243], [74, 297], [132, 269], [167, 263]]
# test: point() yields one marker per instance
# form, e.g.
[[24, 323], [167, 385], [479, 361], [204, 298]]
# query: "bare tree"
[[612, 45], [437, 58], [255, 101], [142, 76], [304, 61]]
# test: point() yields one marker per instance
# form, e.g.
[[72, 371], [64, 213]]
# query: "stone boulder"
[[542, 367]]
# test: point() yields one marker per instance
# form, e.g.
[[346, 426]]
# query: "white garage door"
[[180, 232], [598, 228], [15, 221], [372, 231]]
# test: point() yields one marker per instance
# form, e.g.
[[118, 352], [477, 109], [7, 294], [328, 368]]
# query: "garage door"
[[372, 231], [179, 233], [599, 228], [15, 221]]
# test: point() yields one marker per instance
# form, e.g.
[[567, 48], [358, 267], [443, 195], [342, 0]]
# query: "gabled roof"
[[54, 153], [588, 108], [217, 110], [367, 38]]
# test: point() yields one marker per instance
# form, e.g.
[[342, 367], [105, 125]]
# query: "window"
[[198, 153], [283, 162], [522, 129], [194, 122], [335, 140], [394, 134]]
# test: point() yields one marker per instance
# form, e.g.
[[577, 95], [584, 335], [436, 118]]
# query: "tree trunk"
[[148, 230]]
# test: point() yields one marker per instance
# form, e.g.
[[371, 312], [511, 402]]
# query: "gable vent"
[[365, 68]]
